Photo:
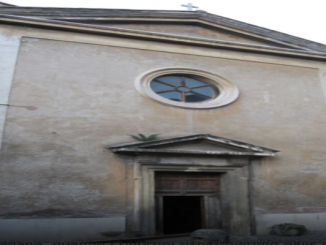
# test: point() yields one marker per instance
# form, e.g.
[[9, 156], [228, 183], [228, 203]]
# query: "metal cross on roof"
[[189, 6]]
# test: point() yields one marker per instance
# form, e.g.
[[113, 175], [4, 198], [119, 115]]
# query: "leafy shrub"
[[142, 137]]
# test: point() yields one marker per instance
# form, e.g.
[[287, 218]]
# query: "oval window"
[[187, 88]]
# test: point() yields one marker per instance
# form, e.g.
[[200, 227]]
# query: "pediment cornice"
[[236, 148], [59, 18]]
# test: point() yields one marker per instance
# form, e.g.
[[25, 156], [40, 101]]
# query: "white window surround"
[[228, 91]]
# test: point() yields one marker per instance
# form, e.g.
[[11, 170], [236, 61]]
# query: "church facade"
[[230, 119]]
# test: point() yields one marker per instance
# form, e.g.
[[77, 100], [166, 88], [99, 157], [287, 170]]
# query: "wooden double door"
[[185, 201]]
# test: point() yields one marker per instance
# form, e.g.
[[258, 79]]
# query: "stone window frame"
[[229, 92]]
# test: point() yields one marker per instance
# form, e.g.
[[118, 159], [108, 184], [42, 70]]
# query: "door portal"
[[186, 201]]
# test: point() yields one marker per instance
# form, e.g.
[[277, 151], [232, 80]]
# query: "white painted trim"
[[322, 74], [9, 46]]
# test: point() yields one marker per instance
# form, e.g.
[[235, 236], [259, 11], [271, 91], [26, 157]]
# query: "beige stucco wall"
[[68, 100]]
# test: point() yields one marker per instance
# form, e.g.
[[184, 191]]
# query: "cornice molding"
[[198, 22], [185, 152], [55, 13], [149, 147], [112, 31]]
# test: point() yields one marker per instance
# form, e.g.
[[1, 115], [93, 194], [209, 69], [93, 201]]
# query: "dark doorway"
[[186, 201], [182, 214]]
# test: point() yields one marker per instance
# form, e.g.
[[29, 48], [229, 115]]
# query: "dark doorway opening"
[[182, 214]]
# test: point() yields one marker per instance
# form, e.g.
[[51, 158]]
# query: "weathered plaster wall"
[[71, 99], [73, 178], [84, 97]]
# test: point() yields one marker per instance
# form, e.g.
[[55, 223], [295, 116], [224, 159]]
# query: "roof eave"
[[77, 27], [199, 15]]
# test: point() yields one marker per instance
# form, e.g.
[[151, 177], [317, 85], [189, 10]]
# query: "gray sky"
[[301, 18]]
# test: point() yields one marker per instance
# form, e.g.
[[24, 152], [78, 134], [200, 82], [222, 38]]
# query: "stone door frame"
[[209, 196], [235, 209]]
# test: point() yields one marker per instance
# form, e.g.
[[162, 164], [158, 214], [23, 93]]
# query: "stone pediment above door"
[[200, 144]]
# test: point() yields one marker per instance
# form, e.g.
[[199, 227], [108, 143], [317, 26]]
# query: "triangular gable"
[[200, 144], [229, 34], [191, 30]]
